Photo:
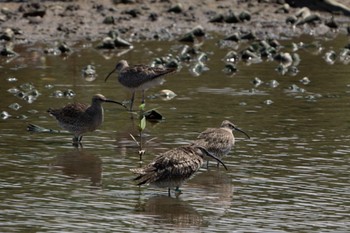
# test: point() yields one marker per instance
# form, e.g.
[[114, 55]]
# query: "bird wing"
[[141, 74], [215, 140], [69, 113], [179, 162]]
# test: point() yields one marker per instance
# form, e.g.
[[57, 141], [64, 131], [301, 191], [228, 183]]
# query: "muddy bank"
[[52, 21]]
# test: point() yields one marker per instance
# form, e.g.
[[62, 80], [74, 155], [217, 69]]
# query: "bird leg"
[[178, 192], [132, 100], [143, 97], [77, 141]]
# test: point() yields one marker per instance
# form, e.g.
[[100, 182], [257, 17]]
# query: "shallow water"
[[292, 175]]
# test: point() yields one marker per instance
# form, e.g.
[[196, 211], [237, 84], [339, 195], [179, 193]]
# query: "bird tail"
[[143, 176]]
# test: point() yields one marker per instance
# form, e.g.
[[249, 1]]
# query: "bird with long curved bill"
[[139, 77], [80, 118], [172, 168]]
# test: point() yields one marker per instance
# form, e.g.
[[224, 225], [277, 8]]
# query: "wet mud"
[[120, 22]]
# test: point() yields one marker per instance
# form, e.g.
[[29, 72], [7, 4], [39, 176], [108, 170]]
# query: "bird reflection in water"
[[80, 164], [215, 186], [167, 210]]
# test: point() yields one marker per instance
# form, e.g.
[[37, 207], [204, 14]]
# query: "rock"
[[153, 16], [231, 18], [331, 23], [305, 80], [217, 19], [32, 9], [153, 115], [167, 94], [188, 37], [257, 81], [64, 48], [178, 8], [283, 9], [244, 16], [109, 20], [8, 34], [132, 12], [230, 68], [119, 42], [232, 57], [248, 36], [7, 51], [4, 115], [330, 57], [291, 19], [233, 37], [198, 31]]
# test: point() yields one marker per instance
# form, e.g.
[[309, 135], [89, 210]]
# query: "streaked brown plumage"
[[172, 168], [139, 77], [218, 141], [79, 118]]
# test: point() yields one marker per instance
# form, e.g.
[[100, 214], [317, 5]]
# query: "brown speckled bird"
[[79, 118], [218, 141], [172, 168], [139, 77]]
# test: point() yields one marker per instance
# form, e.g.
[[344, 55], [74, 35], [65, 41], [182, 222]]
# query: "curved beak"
[[112, 101], [238, 129], [110, 74], [206, 152]]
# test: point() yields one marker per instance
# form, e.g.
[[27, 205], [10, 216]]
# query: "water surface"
[[292, 175]]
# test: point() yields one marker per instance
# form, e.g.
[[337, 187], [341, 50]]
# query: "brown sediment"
[[47, 21]]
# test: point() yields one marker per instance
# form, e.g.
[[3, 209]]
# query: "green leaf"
[[142, 107], [143, 123]]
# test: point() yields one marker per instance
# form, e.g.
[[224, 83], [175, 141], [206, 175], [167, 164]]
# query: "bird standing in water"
[[139, 77], [79, 118], [218, 141], [172, 168]]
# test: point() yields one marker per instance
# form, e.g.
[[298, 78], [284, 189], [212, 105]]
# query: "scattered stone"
[[109, 20], [273, 83], [89, 73], [231, 18], [153, 17], [232, 57], [7, 51], [295, 88], [244, 16], [331, 23], [230, 68], [52, 51], [268, 102], [8, 34], [330, 57], [153, 115], [305, 80], [64, 48], [32, 9], [283, 9], [233, 37], [113, 41], [119, 42], [132, 12], [69, 93], [15, 106], [167, 94], [257, 81], [4, 115], [217, 19], [285, 59], [178, 8], [192, 35]]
